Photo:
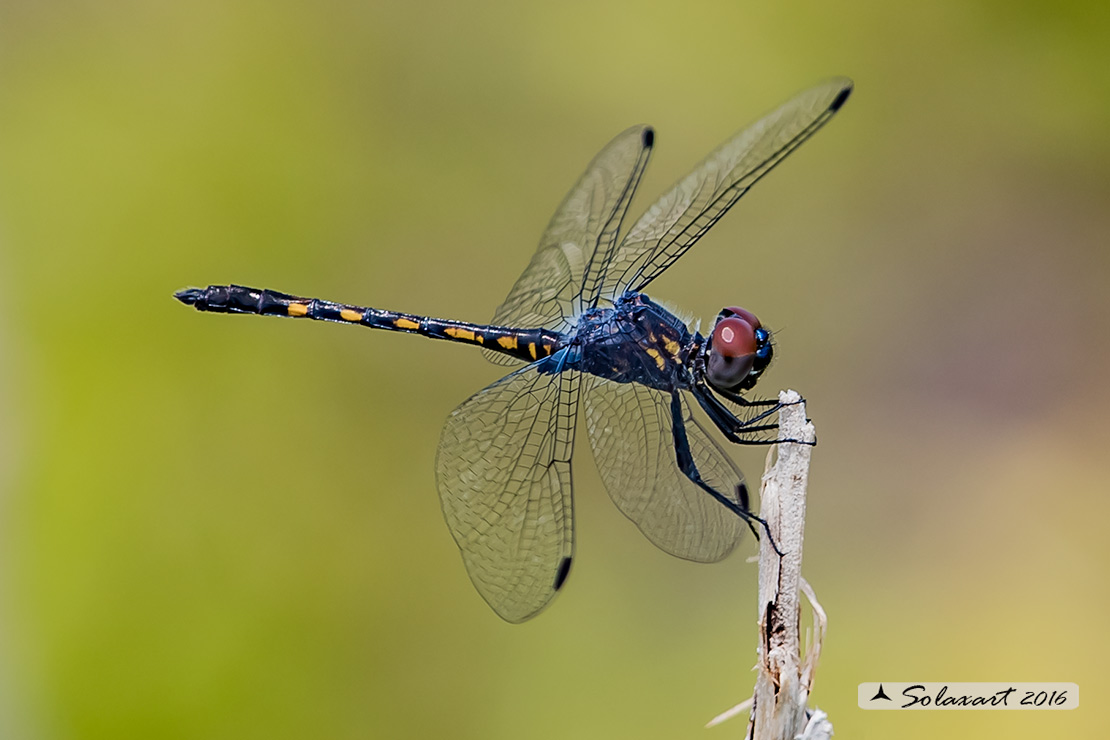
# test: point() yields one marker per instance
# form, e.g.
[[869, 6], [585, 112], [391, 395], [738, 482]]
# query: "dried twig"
[[784, 681]]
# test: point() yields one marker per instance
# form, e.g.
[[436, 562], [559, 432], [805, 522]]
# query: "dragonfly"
[[579, 328]]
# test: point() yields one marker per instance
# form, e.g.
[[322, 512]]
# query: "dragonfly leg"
[[739, 400], [736, 429], [689, 468], [770, 406], [732, 427]]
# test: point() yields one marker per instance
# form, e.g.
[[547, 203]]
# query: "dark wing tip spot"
[[840, 98], [742, 496], [648, 136], [561, 576]]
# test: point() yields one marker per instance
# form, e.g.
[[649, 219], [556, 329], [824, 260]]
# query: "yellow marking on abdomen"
[[297, 309], [406, 324], [672, 346], [655, 355], [348, 314], [465, 335], [507, 342]]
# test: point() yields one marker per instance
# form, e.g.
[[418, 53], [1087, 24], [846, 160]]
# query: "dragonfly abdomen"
[[524, 344]]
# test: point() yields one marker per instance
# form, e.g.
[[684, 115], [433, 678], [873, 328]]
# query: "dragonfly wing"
[[549, 291], [631, 435], [678, 219], [503, 473]]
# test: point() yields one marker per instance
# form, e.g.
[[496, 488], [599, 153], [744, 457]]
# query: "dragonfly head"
[[738, 351]]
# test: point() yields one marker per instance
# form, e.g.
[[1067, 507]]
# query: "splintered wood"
[[785, 679]]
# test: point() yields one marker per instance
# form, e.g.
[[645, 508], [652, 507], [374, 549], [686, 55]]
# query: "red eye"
[[745, 314], [734, 336], [731, 353]]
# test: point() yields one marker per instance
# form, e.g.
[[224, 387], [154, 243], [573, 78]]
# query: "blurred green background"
[[218, 527]]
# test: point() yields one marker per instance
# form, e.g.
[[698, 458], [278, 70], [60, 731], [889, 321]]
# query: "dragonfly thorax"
[[635, 341]]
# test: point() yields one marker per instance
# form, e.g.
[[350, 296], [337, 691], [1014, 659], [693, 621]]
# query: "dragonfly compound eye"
[[742, 313], [732, 352]]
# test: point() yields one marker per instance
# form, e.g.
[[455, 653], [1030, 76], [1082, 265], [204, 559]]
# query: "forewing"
[[677, 220], [503, 472], [630, 427], [548, 293]]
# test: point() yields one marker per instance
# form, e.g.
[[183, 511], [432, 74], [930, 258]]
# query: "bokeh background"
[[217, 527]]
